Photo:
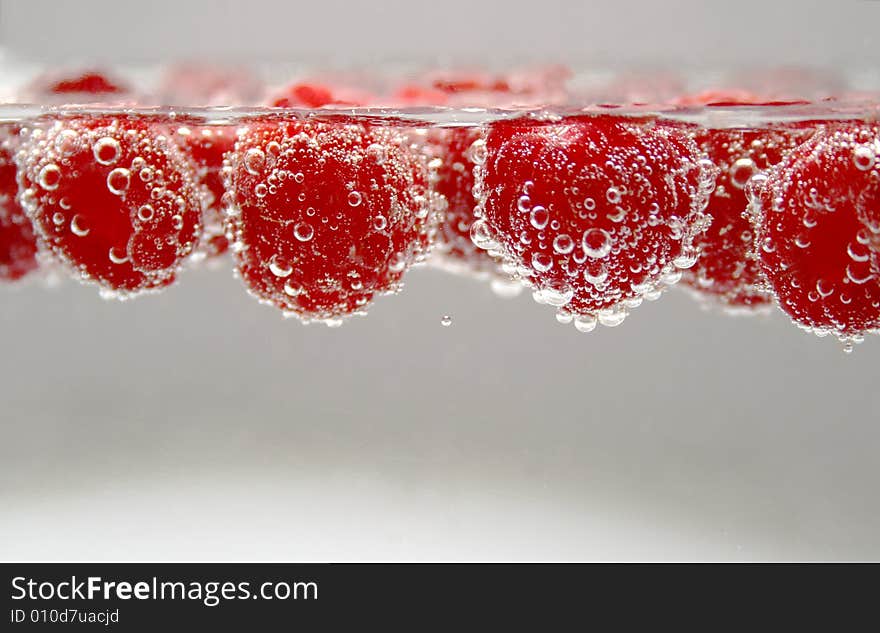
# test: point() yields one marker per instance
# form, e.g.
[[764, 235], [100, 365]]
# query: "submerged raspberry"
[[727, 270], [596, 213], [206, 146], [327, 214], [18, 247], [112, 199], [812, 216]]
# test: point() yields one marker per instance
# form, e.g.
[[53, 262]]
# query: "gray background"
[[199, 424]]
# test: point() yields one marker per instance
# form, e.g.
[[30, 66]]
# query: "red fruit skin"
[[813, 241], [326, 215], [727, 271], [455, 250], [18, 246], [111, 199], [596, 213], [206, 147]]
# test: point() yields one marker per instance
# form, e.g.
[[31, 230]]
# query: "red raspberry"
[[319, 95], [82, 87], [88, 83], [112, 199], [327, 214], [206, 146], [596, 213], [18, 247], [812, 216], [727, 270]]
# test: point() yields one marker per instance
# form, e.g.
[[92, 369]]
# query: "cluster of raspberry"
[[326, 196]]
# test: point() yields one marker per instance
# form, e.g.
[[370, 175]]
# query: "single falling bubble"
[[446, 320]]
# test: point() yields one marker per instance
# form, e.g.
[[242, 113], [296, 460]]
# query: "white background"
[[198, 424]]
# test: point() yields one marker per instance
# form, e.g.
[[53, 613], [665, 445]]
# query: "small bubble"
[[50, 177], [476, 153], [116, 258], [741, 171], [279, 267], [77, 227], [146, 213], [354, 199], [303, 231], [563, 244], [446, 320], [596, 243], [254, 161], [380, 223], [613, 195], [118, 181], [542, 262], [539, 217], [106, 150], [585, 323], [864, 157]]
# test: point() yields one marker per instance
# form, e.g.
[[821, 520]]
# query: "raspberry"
[[206, 147], [86, 83], [18, 247], [727, 270], [327, 214], [319, 95], [596, 213], [813, 220], [111, 199]]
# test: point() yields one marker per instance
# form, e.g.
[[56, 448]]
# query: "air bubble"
[[146, 213], [50, 177], [303, 231], [741, 171], [118, 181], [106, 150], [482, 236], [446, 320], [476, 153], [542, 262], [613, 195], [563, 244], [354, 199], [254, 161], [585, 323], [279, 267], [539, 217], [864, 157], [596, 243], [116, 258], [77, 226]]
